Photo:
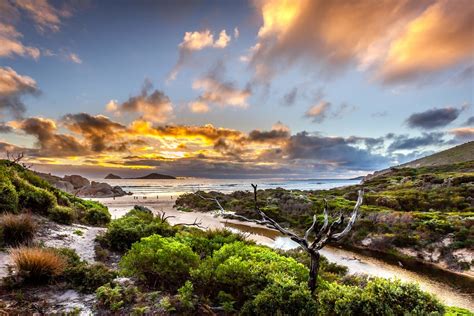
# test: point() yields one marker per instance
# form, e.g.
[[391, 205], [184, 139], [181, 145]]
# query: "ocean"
[[188, 185]]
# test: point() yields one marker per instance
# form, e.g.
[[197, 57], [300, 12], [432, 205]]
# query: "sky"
[[234, 89]]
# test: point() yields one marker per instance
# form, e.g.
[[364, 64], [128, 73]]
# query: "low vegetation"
[[137, 223], [22, 190], [16, 229], [36, 265], [424, 211]]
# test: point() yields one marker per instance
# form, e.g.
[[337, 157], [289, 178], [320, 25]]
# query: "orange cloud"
[[394, 40]]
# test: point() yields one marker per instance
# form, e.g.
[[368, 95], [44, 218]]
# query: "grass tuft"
[[16, 229], [37, 265]]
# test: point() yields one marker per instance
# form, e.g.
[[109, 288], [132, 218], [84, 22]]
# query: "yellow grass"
[[36, 264]]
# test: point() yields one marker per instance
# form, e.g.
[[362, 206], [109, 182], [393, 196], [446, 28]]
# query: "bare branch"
[[352, 220], [195, 223], [311, 228]]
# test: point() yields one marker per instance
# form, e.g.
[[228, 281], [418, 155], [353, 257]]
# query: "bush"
[[206, 242], [16, 229], [97, 216], [283, 296], [8, 196], [35, 199], [88, 277], [37, 265], [379, 297], [243, 271], [81, 275], [124, 231], [160, 261], [113, 297], [62, 214]]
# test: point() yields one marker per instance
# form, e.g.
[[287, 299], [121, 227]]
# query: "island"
[[151, 176], [112, 176]]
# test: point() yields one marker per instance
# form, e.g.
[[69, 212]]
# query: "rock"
[[64, 185], [77, 181], [99, 189], [79, 185]]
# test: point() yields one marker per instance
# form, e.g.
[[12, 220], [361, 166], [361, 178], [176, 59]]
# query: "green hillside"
[[458, 154], [22, 190]]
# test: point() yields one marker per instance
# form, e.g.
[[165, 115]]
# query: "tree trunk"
[[313, 272]]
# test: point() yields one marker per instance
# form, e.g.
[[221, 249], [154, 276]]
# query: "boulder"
[[77, 181], [99, 189]]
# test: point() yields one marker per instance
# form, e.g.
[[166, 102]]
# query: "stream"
[[438, 285]]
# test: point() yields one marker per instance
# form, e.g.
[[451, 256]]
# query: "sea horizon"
[[147, 187]]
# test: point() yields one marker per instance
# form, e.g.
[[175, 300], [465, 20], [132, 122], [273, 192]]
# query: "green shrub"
[[16, 229], [113, 297], [62, 214], [81, 275], [123, 232], [97, 216], [243, 271], [206, 242], [185, 295], [8, 196], [88, 277], [379, 297], [161, 262], [283, 296], [456, 311], [35, 199]]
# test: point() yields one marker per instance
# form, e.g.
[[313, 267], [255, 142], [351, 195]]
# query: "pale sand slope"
[[121, 205]]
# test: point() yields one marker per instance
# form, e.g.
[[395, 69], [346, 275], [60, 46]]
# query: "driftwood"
[[322, 237]]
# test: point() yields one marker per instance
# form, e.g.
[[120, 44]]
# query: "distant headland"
[[146, 177]]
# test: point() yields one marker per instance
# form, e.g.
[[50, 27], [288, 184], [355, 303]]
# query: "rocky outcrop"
[[77, 181], [99, 190], [82, 187]]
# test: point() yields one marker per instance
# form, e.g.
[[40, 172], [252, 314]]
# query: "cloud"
[[278, 133], [224, 94], [222, 41], [74, 58], [437, 39], [5, 128], [236, 33], [11, 45], [152, 105], [290, 97], [395, 41], [319, 111], [196, 41], [463, 134], [46, 17], [13, 87], [469, 121], [323, 109], [49, 142], [198, 107], [433, 118], [99, 131], [404, 142], [331, 152]]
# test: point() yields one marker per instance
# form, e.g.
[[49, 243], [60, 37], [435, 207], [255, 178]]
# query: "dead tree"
[[309, 243]]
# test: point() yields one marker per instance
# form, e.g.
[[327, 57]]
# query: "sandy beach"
[[119, 206]]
